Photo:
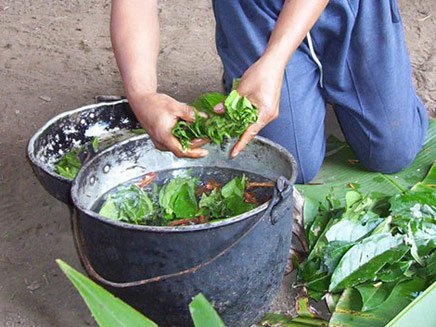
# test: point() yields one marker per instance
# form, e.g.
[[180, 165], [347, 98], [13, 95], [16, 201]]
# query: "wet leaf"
[[177, 198]]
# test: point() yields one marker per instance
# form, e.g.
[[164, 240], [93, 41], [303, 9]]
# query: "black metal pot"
[[238, 263], [74, 128]]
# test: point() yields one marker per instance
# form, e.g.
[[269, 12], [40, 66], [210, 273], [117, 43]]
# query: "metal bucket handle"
[[274, 211]]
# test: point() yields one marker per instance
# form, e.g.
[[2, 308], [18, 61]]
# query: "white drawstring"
[[315, 58]]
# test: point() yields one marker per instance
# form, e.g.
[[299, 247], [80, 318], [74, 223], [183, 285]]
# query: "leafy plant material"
[[418, 313], [176, 202], [110, 311], [239, 114], [364, 260], [203, 314], [348, 310], [177, 198], [107, 310], [70, 163], [129, 204]]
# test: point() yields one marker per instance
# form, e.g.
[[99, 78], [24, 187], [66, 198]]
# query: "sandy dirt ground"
[[56, 56]]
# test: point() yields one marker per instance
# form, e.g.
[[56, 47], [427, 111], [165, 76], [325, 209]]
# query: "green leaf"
[[203, 314], [332, 253], [374, 295], [235, 187], [310, 211], [106, 309], [129, 204], [109, 208], [177, 198], [348, 310], [279, 320], [331, 301], [239, 114], [207, 102], [421, 312], [429, 182], [69, 164], [365, 258], [94, 143], [394, 272], [338, 170]]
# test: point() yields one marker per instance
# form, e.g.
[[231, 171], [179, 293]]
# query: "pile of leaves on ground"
[[239, 114], [370, 255], [183, 200]]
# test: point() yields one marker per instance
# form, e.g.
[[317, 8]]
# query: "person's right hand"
[[158, 113]]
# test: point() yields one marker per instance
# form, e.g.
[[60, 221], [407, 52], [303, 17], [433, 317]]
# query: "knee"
[[308, 169], [391, 158]]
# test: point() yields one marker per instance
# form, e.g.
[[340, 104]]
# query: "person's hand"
[[261, 84], [158, 113]]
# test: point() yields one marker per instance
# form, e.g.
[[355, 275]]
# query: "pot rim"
[[31, 144], [189, 228]]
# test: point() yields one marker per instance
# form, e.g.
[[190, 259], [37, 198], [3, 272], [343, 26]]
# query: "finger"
[[175, 147], [219, 108], [246, 137], [187, 113], [196, 143]]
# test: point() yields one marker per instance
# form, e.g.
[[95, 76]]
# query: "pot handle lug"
[[282, 194]]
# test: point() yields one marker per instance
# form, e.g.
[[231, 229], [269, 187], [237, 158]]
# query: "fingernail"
[[234, 154], [202, 114], [219, 107]]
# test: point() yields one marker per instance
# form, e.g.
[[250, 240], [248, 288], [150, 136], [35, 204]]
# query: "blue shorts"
[[366, 74]]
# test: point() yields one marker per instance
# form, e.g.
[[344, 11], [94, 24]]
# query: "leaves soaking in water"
[[181, 200]]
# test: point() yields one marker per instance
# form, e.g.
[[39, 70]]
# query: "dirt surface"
[[56, 56]]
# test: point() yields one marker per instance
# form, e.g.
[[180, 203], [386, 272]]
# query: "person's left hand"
[[261, 84]]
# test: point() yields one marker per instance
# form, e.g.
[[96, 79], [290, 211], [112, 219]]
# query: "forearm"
[[295, 21], [135, 40]]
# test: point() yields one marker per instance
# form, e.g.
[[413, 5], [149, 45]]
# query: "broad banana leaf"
[[107, 310], [429, 182], [341, 168], [420, 312]]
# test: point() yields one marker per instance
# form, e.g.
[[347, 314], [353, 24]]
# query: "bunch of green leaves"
[[109, 311], [175, 200], [239, 114], [70, 163], [130, 204], [378, 251], [225, 202]]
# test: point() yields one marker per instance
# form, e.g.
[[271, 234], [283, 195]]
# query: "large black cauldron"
[[238, 263]]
